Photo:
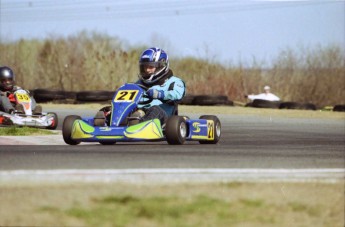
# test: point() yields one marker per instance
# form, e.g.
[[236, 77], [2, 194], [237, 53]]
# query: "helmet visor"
[[147, 69], [7, 84]]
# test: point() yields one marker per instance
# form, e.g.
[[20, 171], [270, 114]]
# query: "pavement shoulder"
[[33, 140]]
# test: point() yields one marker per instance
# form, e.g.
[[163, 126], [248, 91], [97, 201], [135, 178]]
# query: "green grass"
[[23, 131], [172, 210], [215, 204], [200, 210]]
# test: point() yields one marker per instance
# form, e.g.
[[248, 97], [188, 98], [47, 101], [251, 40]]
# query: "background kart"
[[177, 130], [25, 117]]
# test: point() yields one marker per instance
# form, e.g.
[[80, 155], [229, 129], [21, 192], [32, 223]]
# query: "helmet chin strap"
[[144, 78], [150, 78]]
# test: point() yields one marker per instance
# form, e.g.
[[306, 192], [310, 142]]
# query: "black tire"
[[339, 108], [46, 95], [210, 100], [187, 100], [94, 96], [216, 129], [56, 121], [297, 106], [67, 129], [229, 103], [70, 95], [260, 103], [289, 105], [308, 106], [176, 130], [249, 104]]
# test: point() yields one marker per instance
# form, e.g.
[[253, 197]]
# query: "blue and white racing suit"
[[174, 90]]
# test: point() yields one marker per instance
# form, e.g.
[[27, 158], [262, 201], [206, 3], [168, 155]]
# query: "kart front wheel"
[[67, 129], [176, 130], [214, 131], [55, 121]]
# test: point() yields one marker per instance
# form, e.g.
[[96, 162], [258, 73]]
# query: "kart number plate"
[[126, 96], [210, 130], [23, 97]]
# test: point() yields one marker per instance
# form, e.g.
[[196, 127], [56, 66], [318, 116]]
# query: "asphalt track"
[[247, 142]]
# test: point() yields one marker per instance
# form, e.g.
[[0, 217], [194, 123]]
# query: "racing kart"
[[126, 100], [21, 99]]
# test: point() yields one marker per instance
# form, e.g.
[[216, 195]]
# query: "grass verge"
[[227, 110], [217, 204], [24, 131]]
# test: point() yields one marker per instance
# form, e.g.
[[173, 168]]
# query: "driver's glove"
[[155, 94]]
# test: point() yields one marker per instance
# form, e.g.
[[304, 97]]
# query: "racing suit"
[[174, 90]]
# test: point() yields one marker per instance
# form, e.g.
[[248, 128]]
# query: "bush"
[[99, 62]]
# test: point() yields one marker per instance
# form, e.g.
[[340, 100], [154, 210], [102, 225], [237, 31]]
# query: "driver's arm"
[[176, 91], [173, 91]]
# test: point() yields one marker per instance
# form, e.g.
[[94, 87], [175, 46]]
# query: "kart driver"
[[7, 88], [163, 87]]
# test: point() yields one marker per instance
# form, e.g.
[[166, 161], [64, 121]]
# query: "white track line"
[[173, 175]]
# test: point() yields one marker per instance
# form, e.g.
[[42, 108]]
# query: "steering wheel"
[[149, 99], [143, 86]]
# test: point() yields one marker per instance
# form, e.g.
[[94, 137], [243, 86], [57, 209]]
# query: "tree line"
[[90, 61]]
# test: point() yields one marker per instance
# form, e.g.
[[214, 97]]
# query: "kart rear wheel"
[[216, 130], [67, 129], [176, 130], [55, 122]]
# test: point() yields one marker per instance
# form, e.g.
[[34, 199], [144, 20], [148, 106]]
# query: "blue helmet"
[[6, 78], [154, 57]]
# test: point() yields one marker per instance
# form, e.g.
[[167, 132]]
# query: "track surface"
[[246, 142]]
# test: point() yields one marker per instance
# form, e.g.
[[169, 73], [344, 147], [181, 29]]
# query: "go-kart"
[[118, 128], [26, 117]]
